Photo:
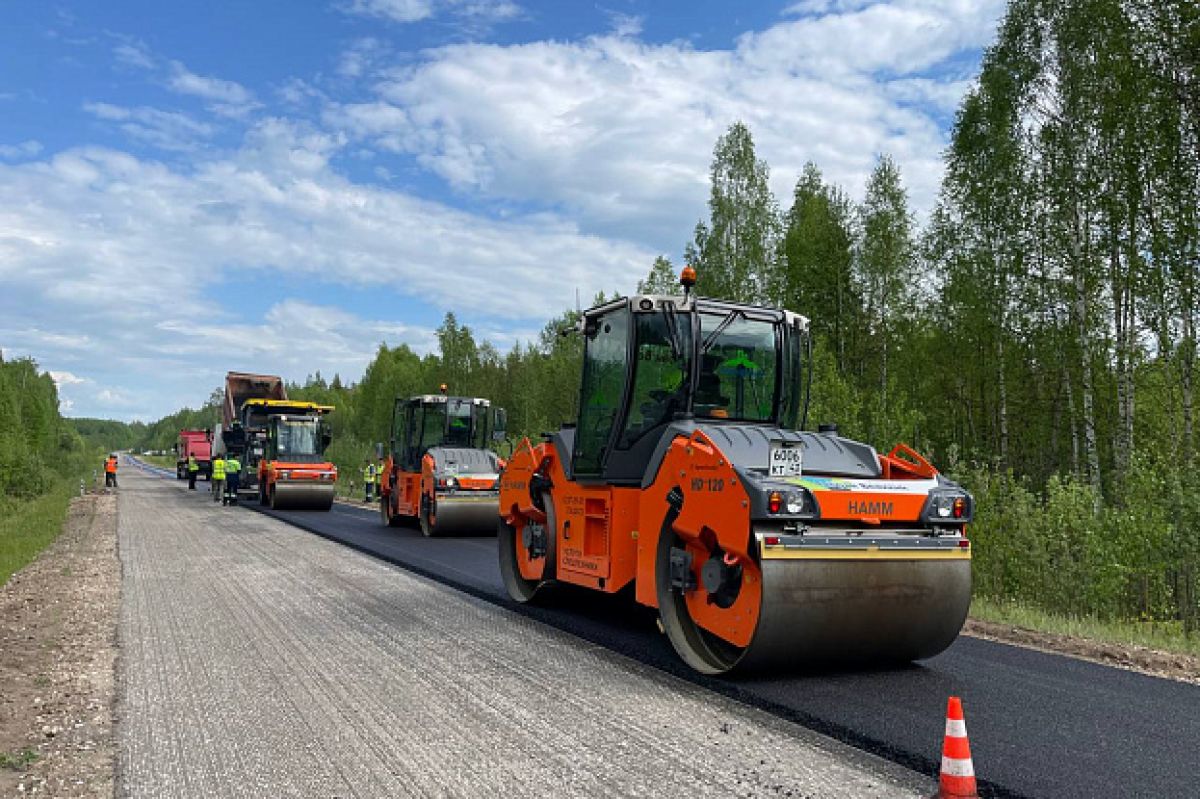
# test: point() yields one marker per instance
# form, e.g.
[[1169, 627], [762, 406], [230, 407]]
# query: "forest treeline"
[[42, 460], [1035, 334]]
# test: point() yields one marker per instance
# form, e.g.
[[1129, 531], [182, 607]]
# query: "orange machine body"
[[688, 477], [438, 471], [606, 537]]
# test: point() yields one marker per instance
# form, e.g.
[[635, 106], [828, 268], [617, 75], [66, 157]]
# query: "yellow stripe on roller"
[[871, 553]]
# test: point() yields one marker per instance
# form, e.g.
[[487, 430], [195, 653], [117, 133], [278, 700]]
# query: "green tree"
[[734, 254], [661, 280]]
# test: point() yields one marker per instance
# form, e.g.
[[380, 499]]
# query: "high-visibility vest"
[[193, 466], [218, 468], [369, 473], [232, 466], [110, 465]]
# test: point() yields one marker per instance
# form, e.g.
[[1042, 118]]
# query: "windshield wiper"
[[668, 311], [712, 337]]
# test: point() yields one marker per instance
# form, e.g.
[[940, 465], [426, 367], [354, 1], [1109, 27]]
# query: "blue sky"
[[188, 188]]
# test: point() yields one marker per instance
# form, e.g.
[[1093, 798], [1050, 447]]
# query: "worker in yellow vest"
[[370, 472], [218, 477], [233, 475], [193, 470]]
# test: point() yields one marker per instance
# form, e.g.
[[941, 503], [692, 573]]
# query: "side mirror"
[[378, 450], [326, 438], [499, 424]]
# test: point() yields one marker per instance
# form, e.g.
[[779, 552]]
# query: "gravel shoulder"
[[259, 660], [58, 620]]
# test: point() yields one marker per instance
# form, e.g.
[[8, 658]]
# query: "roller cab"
[[439, 471], [687, 475], [291, 468]]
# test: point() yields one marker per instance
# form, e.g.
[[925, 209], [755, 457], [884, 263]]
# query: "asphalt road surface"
[[1040, 725], [259, 660]]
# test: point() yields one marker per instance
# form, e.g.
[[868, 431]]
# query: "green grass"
[[28, 527], [1165, 636], [16, 761]]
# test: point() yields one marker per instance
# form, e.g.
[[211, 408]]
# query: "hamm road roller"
[[686, 474], [293, 472], [440, 471]]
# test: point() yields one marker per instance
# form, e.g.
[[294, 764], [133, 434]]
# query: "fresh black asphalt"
[[1040, 725]]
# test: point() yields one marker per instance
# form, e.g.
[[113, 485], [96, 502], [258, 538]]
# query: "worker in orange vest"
[[110, 472]]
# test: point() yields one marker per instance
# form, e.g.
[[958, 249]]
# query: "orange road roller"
[[439, 470], [688, 474]]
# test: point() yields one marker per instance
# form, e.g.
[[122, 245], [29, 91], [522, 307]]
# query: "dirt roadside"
[[58, 647], [1172, 665]]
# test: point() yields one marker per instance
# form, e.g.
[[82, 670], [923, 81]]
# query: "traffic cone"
[[957, 778]]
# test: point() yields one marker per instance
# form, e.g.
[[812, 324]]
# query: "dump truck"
[[689, 477], [280, 443], [246, 437], [439, 471], [197, 444]]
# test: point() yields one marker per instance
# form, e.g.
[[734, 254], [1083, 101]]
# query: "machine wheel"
[[428, 516], [271, 493], [178, 473], [510, 544], [385, 513], [262, 494], [699, 648]]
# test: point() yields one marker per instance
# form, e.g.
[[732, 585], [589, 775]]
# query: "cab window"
[[738, 361], [604, 374], [458, 430], [433, 426], [661, 367]]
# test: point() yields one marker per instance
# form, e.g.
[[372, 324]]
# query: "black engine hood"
[[748, 446]]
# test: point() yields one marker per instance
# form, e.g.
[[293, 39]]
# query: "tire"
[[508, 539], [385, 513], [428, 515], [271, 493], [700, 649]]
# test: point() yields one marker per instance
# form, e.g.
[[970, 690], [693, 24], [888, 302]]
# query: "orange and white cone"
[[957, 779]]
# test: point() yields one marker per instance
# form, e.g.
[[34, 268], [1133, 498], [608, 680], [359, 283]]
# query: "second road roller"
[[439, 470], [688, 475]]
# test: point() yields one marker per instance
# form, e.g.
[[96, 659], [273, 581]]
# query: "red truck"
[[197, 443]]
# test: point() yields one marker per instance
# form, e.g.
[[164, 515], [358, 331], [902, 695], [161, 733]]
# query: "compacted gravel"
[[259, 660]]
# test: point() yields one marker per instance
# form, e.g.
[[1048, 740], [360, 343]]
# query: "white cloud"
[[619, 133], [395, 10], [225, 97], [408, 11], [113, 399], [132, 53], [26, 149], [116, 273], [169, 130], [625, 24], [357, 58], [66, 379]]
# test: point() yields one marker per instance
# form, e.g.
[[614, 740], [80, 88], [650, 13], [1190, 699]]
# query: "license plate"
[[786, 460]]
